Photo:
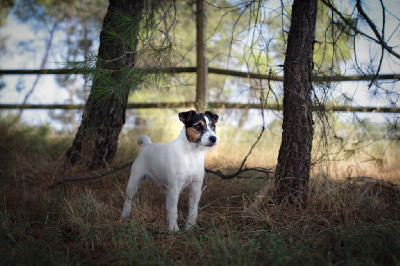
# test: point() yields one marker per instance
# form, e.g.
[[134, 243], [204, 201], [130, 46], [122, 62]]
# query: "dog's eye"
[[197, 127], [212, 126]]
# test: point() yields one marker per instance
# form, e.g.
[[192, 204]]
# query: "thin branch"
[[376, 182], [240, 171], [379, 39], [92, 177], [42, 65], [345, 20], [382, 48], [382, 42], [126, 165]]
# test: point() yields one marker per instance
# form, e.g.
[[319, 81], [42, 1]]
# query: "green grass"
[[239, 223]]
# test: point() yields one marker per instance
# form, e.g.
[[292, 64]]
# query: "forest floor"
[[346, 222]]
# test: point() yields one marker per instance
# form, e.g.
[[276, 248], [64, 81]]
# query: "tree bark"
[[96, 141], [293, 169]]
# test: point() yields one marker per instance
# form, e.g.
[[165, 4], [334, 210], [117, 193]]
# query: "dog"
[[175, 165]]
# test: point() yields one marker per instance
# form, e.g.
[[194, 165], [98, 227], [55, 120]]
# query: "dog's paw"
[[189, 226], [124, 217], [173, 228]]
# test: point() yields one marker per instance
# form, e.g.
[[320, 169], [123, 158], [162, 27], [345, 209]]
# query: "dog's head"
[[200, 128]]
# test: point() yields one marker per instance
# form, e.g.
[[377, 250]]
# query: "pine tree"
[[293, 169], [96, 141]]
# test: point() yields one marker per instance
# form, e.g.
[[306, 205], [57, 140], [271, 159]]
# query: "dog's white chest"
[[189, 168]]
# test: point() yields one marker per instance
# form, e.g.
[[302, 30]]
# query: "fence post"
[[201, 61]]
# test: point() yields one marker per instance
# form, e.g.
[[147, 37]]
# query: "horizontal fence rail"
[[211, 70], [219, 105]]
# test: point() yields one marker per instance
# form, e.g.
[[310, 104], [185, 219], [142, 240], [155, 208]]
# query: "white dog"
[[175, 165]]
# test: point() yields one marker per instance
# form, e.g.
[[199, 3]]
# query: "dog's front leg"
[[172, 209], [194, 198]]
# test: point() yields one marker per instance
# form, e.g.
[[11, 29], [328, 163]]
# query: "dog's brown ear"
[[185, 116], [213, 116]]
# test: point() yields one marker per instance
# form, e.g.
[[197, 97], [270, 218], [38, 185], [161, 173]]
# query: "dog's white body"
[[173, 166]]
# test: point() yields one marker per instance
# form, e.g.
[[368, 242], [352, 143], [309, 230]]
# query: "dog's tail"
[[143, 139]]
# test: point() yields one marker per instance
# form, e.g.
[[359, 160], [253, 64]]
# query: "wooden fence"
[[202, 97]]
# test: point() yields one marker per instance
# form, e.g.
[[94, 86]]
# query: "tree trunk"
[[96, 141], [293, 169]]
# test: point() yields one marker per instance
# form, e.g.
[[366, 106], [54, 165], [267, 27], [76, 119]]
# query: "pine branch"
[[266, 171], [381, 41], [346, 21], [376, 182], [126, 165], [92, 177]]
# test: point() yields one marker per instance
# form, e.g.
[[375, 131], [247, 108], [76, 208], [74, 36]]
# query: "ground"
[[346, 222]]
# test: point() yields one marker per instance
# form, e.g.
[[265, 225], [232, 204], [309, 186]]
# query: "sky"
[[49, 92]]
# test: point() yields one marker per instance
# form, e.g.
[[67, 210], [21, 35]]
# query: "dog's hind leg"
[[194, 198], [135, 180]]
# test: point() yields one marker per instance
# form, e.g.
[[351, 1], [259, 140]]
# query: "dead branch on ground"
[[376, 182]]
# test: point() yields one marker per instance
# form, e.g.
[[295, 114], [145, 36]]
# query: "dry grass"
[[239, 222]]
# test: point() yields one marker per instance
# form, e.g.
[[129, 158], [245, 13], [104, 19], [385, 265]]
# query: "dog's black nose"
[[213, 139]]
